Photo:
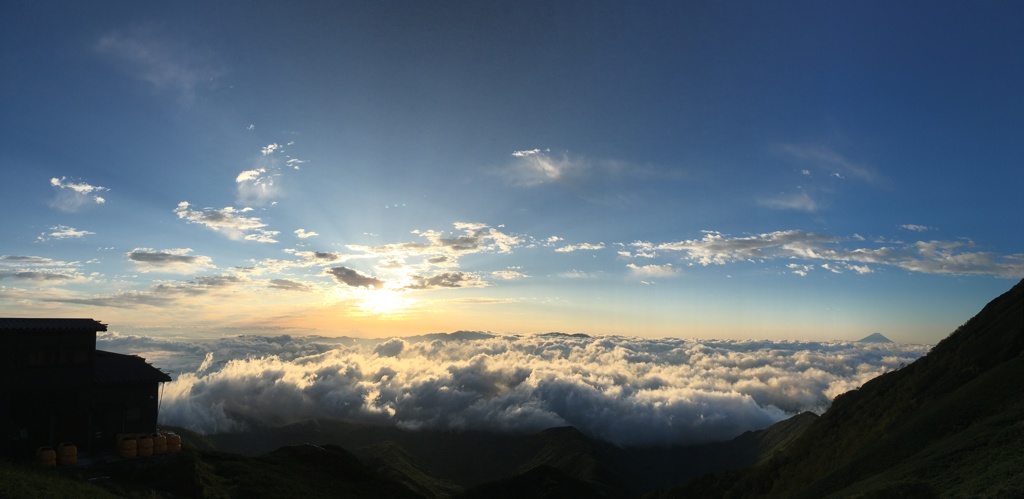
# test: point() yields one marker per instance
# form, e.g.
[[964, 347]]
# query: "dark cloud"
[[218, 281], [353, 278], [171, 260], [288, 285], [29, 275], [447, 280], [159, 257], [390, 348]]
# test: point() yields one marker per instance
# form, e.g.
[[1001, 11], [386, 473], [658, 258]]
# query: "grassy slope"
[[17, 480]]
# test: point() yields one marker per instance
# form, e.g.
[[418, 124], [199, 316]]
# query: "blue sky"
[[805, 170]]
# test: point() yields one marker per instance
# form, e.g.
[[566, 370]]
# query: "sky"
[[721, 170]]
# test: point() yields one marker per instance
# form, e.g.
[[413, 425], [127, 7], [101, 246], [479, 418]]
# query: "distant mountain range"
[[950, 424]]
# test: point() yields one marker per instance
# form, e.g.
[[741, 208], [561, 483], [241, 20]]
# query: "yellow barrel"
[[127, 447], [173, 442], [46, 456], [145, 446], [67, 454], [159, 443]]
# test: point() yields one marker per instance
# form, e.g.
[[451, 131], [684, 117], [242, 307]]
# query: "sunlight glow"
[[384, 302]]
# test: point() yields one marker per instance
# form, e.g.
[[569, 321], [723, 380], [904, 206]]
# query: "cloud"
[[576, 274], [249, 175], [257, 187], [915, 227], [932, 257], [799, 201], [166, 65], [627, 391], [72, 196], [32, 275], [37, 270], [447, 280], [715, 248], [177, 261], [269, 149], [263, 236], [508, 275], [304, 234], [228, 221], [445, 249], [534, 167], [63, 232], [159, 296], [578, 247], [824, 158], [666, 270], [289, 285], [354, 278]]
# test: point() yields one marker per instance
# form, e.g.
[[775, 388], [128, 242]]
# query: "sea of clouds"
[[624, 390]]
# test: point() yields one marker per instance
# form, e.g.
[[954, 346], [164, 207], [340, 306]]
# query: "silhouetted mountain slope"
[[950, 424], [442, 463], [391, 460], [542, 482], [763, 444]]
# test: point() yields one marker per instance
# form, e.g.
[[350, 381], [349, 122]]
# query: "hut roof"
[[118, 369], [23, 324]]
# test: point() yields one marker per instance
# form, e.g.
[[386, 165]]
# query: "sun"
[[384, 302]]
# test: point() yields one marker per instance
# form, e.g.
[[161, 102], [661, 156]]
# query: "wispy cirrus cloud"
[[799, 201], [177, 261], [167, 65], [534, 167], [829, 161], [229, 221]]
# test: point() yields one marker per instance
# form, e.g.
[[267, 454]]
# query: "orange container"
[[159, 443], [67, 454], [46, 456], [173, 442], [145, 447], [127, 447]]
